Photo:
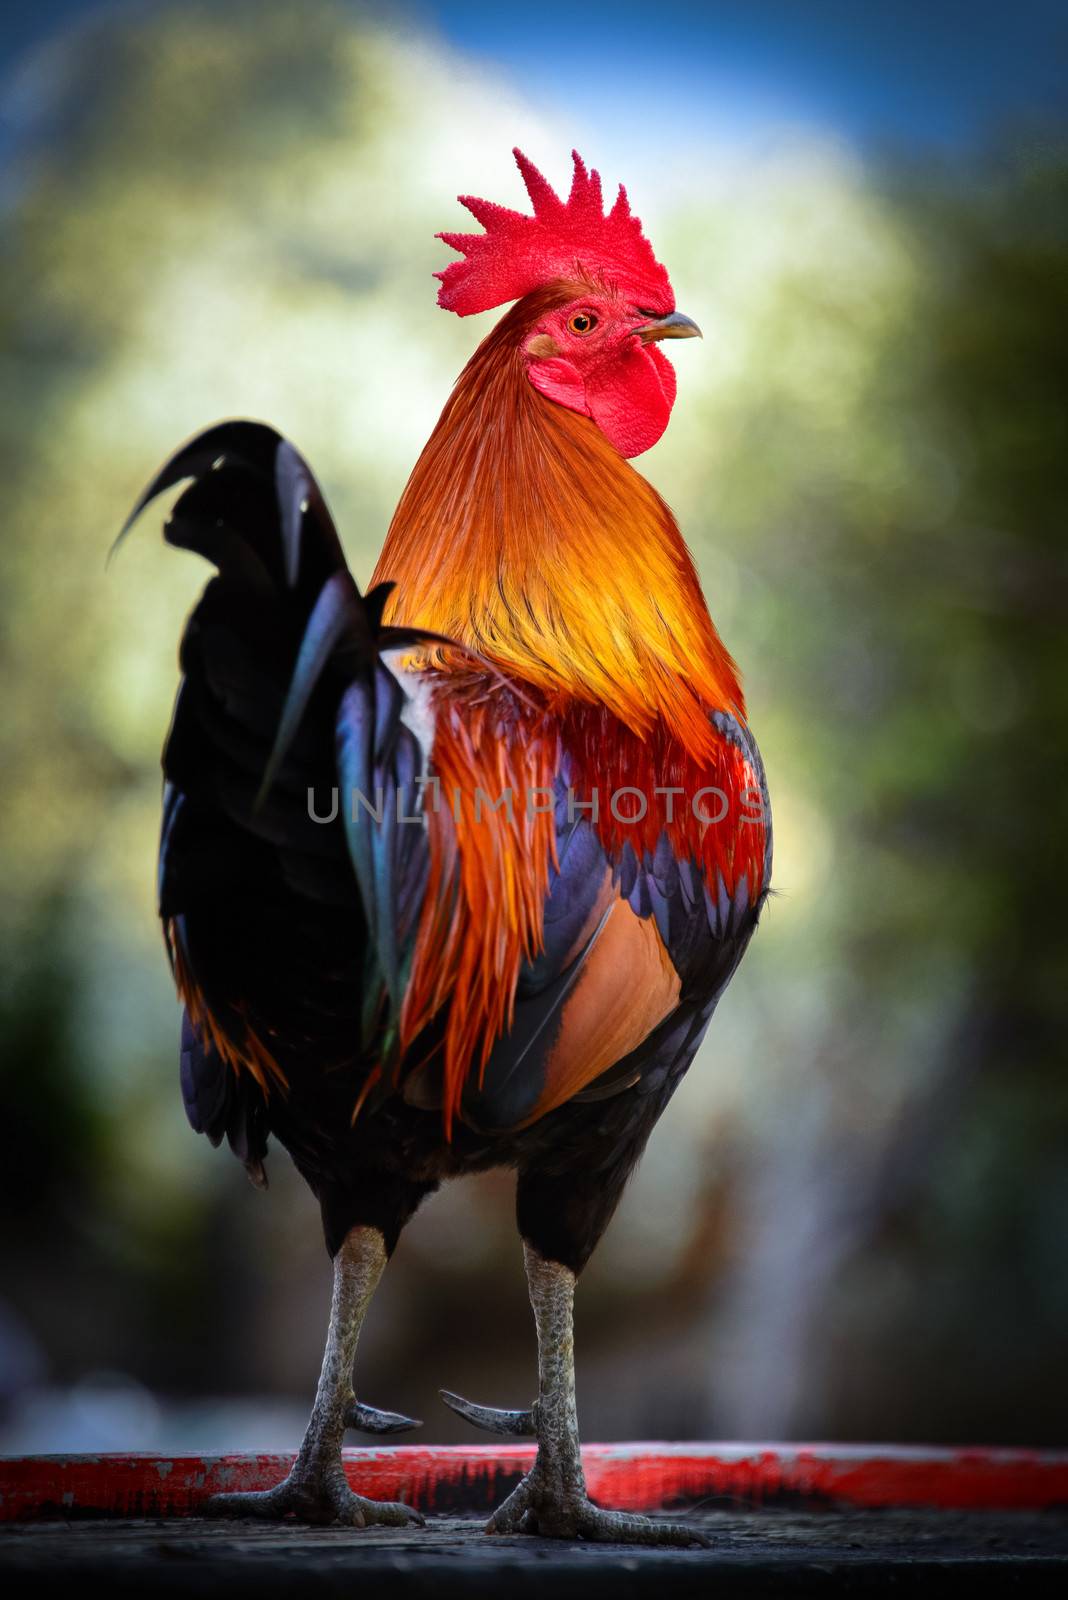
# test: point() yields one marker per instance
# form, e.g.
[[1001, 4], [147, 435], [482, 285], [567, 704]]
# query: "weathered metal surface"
[[639, 1477]]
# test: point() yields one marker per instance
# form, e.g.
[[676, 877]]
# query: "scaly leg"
[[552, 1498], [316, 1489]]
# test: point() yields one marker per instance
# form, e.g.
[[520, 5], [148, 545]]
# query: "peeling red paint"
[[472, 1478]]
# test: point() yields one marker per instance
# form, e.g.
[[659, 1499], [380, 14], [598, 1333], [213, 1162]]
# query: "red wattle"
[[631, 400]]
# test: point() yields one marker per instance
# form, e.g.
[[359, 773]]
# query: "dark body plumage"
[[267, 923]]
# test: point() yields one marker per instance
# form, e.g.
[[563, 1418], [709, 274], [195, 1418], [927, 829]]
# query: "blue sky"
[[880, 72], [886, 71]]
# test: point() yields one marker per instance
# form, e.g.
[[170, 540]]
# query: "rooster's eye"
[[582, 322]]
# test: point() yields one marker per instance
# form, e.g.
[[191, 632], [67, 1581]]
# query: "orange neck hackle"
[[523, 534]]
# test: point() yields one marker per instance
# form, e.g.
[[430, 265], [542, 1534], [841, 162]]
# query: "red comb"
[[561, 240]]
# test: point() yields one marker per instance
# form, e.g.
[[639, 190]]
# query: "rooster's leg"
[[552, 1498], [316, 1489]]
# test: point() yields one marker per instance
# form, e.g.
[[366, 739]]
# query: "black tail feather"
[[293, 929], [248, 481]]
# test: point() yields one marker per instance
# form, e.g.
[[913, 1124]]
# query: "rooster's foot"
[[314, 1495], [560, 1511]]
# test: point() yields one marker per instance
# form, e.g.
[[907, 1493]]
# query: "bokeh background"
[[852, 1220]]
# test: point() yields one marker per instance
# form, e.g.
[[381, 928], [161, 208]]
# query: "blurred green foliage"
[[851, 1220]]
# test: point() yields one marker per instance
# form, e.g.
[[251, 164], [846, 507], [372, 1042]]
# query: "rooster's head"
[[600, 302]]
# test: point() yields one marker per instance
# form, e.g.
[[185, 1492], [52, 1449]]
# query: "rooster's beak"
[[676, 326]]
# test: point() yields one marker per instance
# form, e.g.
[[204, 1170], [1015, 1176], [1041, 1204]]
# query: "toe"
[[620, 1527], [391, 1514], [349, 1511], [509, 1515], [265, 1504]]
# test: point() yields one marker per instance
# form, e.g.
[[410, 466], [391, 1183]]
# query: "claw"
[[368, 1419], [489, 1417]]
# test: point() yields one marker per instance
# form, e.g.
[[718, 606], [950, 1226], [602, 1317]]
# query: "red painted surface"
[[471, 1478]]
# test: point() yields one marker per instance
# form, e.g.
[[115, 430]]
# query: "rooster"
[[452, 874]]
